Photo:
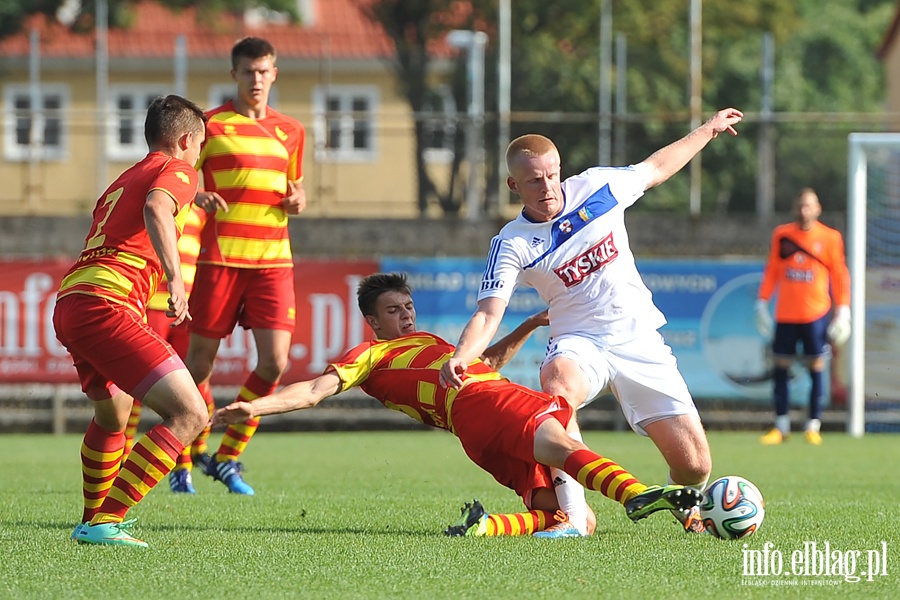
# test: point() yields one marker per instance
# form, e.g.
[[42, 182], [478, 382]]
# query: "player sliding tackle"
[[510, 431]]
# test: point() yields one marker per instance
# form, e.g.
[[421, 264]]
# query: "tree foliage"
[[13, 13], [413, 25], [824, 62]]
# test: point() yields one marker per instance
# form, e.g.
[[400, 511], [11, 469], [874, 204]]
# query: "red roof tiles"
[[338, 31]]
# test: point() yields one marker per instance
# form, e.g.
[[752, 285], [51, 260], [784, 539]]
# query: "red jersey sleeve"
[[179, 181]]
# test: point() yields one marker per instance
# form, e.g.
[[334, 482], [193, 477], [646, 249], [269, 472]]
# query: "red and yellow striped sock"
[[131, 427], [150, 460], [101, 457], [184, 460], [600, 474], [237, 436], [524, 523], [199, 445]]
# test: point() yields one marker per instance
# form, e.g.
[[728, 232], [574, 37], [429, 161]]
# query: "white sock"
[[783, 424], [570, 494], [697, 486], [814, 425]]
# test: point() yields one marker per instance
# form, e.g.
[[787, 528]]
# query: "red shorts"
[[223, 297], [496, 421], [178, 337], [111, 345]]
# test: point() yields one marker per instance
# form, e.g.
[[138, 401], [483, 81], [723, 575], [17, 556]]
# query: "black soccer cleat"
[[472, 521], [656, 498]]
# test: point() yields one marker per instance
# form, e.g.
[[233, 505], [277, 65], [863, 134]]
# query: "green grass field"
[[360, 515]]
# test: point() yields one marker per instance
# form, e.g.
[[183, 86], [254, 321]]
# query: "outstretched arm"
[[473, 340], [667, 161], [297, 396], [500, 353]]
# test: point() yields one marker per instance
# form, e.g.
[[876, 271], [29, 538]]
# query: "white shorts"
[[642, 374]]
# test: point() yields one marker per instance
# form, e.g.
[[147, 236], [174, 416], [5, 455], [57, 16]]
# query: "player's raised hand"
[[210, 202], [295, 201], [452, 373], [725, 120]]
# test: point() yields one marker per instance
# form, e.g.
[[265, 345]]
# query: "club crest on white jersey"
[[580, 263]]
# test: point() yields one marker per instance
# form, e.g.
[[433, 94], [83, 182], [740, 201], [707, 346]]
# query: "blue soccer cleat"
[[76, 531], [201, 459], [228, 473], [180, 481], [562, 529], [109, 534]]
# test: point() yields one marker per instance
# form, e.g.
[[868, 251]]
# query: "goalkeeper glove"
[[764, 324], [839, 328]]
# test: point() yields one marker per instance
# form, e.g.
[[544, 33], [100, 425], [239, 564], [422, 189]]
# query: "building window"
[[128, 110], [344, 123], [35, 132], [439, 124]]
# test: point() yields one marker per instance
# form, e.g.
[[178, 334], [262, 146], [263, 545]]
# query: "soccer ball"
[[732, 508]]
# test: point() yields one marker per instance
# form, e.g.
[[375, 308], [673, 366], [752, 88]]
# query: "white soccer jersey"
[[580, 263]]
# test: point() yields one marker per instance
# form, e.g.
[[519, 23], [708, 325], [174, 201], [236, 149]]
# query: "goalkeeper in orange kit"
[[807, 266]]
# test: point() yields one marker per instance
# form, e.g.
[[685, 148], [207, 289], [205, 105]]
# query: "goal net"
[[873, 251]]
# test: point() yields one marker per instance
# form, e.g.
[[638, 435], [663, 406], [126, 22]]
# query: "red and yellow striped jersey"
[[808, 268], [119, 262], [249, 162], [403, 375], [188, 250]]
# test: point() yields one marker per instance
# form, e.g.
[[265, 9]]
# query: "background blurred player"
[[571, 245], [178, 337], [807, 266], [508, 430], [99, 318], [251, 166]]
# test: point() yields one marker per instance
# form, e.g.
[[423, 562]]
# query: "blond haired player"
[[570, 244]]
